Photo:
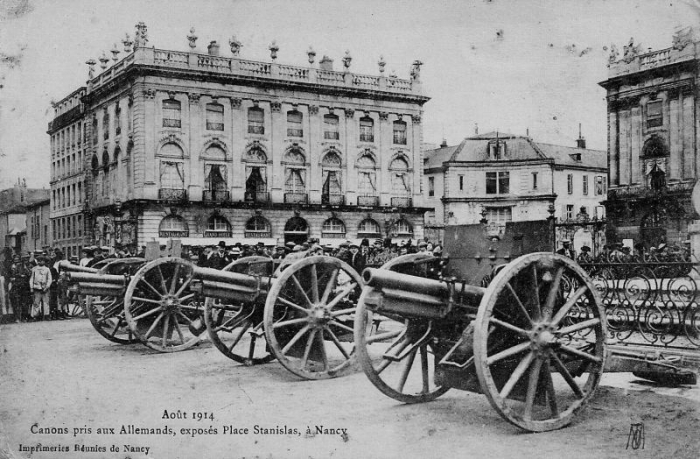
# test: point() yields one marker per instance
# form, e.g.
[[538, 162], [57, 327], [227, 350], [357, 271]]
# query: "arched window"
[[216, 189], [367, 180], [172, 113], [94, 129], [105, 123], [295, 177], [117, 119], [173, 226], [330, 127], [366, 129], [333, 228], [294, 124], [256, 120], [296, 225], [399, 133], [95, 165], [401, 228], [655, 147], [105, 160], [368, 228], [172, 180], [399, 176], [332, 190], [215, 152], [218, 226], [256, 176], [171, 149], [258, 227], [215, 117]]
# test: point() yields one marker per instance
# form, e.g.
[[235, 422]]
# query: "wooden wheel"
[[161, 310], [396, 353], [308, 316], [106, 313], [236, 328], [539, 347]]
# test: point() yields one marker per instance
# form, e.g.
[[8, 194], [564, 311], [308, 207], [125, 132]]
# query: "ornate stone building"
[[204, 148], [503, 177], [652, 140]]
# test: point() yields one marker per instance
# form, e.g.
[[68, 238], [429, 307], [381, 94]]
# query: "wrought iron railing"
[[296, 198], [171, 194], [259, 197], [216, 195], [368, 201], [401, 201], [171, 123], [333, 199]]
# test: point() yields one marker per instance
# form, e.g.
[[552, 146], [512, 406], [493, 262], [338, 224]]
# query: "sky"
[[515, 66]]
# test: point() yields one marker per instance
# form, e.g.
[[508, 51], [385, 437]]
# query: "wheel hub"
[[170, 303], [319, 315], [542, 338]]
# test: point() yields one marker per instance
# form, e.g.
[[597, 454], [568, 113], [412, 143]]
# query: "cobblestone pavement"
[[60, 382]]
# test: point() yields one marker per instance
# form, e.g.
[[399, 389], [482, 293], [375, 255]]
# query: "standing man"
[[357, 260], [218, 259], [40, 283], [566, 250]]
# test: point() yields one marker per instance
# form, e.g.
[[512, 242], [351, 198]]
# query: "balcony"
[[366, 137], [331, 135], [368, 201], [172, 194], [333, 199], [216, 196], [401, 201], [171, 123], [258, 197], [215, 126], [296, 198], [295, 132], [255, 129]]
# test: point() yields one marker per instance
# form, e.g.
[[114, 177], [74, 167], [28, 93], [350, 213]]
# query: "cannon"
[[299, 312], [533, 341]]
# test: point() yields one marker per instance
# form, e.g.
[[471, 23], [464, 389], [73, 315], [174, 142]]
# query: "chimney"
[[213, 48], [444, 143], [326, 63], [580, 142]]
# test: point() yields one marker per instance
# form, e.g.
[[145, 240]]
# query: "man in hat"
[[234, 253], [40, 282], [566, 250], [585, 255], [98, 256], [280, 252], [218, 259], [18, 288], [357, 260]]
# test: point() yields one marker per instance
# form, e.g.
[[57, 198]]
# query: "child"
[[40, 282]]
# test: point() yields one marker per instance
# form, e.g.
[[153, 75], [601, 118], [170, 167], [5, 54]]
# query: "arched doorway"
[[653, 229], [296, 230]]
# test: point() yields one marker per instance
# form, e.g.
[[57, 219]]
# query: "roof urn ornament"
[[115, 53], [91, 63], [192, 38], [273, 50], [382, 64], [347, 59], [127, 43], [103, 60], [235, 45], [312, 55]]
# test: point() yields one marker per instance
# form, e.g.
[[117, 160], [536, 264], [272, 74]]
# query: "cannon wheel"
[[540, 347], [305, 317], [106, 313], [228, 323], [161, 310], [382, 338]]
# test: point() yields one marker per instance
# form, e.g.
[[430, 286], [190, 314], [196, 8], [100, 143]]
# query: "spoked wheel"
[[539, 347], [236, 329], [106, 314], [78, 307], [396, 353], [161, 310], [308, 317]]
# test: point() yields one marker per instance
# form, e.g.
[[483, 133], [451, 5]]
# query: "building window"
[[499, 215], [534, 180], [94, 129], [400, 179], [215, 182], [333, 228], [497, 182], [497, 150], [80, 225], [330, 127], [294, 127], [172, 175], [570, 183], [600, 185], [366, 175], [171, 113], [256, 121], [332, 190], [399, 133], [215, 117], [585, 185], [295, 177], [218, 226], [368, 228], [655, 114], [117, 120], [366, 129], [105, 124], [569, 211], [402, 228], [258, 227], [173, 226], [431, 186], [461, 183]]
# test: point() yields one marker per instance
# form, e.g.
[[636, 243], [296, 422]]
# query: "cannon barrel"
[[100, 289], [68, 266], [227, 285], [228, 277], [91, 278]]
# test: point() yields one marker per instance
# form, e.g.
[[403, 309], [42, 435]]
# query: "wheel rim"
[[396, 353], [106, 314], [161, 310], [307, 316], [236, 329], [539, 347]]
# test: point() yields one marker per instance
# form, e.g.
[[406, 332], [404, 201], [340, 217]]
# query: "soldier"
[[40, 283], [19, 289]]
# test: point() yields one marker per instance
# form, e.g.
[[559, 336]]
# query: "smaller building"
[[13, 214], [37, 221], [503, 177]]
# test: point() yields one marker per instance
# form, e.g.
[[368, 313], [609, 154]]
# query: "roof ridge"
[[536, 147], [459, 148]]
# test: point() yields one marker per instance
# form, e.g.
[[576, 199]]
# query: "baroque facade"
[[502, 177], [652, 140], [203, 148]]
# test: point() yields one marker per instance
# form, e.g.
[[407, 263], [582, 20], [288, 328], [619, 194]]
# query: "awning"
[[207, 241]]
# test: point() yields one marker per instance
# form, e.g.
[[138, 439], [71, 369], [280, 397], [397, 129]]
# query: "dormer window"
[[497, 150], [576, 157], [655, 116]]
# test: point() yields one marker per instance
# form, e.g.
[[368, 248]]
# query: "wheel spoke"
[[162, 279], [145, 300], [292, 305], [549, 385], [343, 293], [536, 291], [146, 314], [517, 375], [301, 289], [173, 283], [186, 297], [244, 328], [166, 327], [564, 310], [567, 376], [532, 388], [186, 318], [183, 286], [116, 329], [407, 370], [578, 326], [382, 336], [518, 348], [295, 338], [314, 283], [289, 322], [338, 344], [339, 325], [388, 361], [307, 350], [552, 296], [342, 312], [424, 369], [153, 325], [322, 346], [176, 326], [148, 284], [330, 285], [578, 353], [503, 324], [520, 303]]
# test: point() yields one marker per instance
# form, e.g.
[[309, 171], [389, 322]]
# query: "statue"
[[613, 54], [631, 51], [415, 70]]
